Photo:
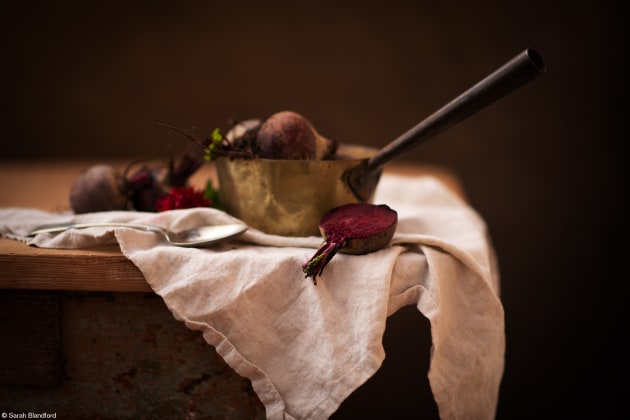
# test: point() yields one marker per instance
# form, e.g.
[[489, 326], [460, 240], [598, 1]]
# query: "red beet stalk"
[[357, 228]]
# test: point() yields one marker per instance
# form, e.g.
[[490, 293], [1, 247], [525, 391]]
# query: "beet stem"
[[315, 266], [192, 138]]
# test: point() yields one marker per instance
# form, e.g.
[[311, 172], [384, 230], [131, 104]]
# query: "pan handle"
[[519, 70]]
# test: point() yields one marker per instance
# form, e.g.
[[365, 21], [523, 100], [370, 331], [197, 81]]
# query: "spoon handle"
[[519, 70], [61, 227]]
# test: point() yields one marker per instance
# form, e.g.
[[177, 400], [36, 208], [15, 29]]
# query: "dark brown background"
[[542, 166]]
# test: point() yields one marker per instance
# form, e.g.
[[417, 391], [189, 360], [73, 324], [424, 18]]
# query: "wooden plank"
[[45, 185], [98, 269]]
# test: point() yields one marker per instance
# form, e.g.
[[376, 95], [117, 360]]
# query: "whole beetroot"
[[356, 228], [102, 188], [99, 188], [288, 135], [146, 186]]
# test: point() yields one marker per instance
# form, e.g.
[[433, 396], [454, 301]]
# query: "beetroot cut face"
[[357, 228]]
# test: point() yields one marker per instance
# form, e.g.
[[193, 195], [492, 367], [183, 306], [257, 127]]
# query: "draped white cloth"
[[306, 347]]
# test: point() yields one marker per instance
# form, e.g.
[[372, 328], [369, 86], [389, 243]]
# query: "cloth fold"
[[306, 347]]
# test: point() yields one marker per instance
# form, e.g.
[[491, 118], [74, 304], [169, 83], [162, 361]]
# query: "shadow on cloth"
[[400, 388]]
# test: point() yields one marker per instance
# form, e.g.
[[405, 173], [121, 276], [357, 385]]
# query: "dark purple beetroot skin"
[[286, 135], [357, 228], [99, 188], [102, 188]]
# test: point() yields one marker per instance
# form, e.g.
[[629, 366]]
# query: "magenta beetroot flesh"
[[356, 228]]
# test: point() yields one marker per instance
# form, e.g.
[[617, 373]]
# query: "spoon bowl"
[[199, 237]]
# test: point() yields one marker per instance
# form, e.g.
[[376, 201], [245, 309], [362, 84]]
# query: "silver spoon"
[[202, 236]]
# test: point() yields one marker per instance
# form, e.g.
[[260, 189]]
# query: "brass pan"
[[288, 197]]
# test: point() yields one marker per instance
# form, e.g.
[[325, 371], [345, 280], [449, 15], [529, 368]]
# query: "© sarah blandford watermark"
[[27, 415]]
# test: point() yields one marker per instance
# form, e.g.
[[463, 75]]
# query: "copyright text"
[[28, 415]]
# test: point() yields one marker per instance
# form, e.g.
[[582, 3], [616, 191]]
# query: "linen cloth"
[[306, 347]]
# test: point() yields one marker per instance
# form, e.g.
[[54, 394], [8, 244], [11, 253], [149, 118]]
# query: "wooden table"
[[80, 326], [45, 185]]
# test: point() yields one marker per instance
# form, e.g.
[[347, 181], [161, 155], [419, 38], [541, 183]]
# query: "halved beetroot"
[[357, 228]]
